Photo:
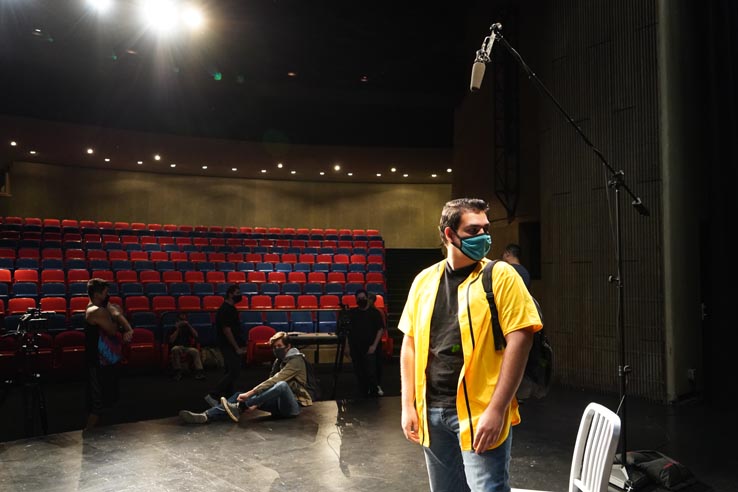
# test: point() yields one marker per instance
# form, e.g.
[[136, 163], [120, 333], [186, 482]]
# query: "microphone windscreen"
[[476, 76]]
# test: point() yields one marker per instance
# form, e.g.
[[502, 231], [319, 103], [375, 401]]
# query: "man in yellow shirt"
[[458, 392]]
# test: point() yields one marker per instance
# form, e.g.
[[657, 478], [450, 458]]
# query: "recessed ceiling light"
[[434, 175], [337, 167], [263, 171], [364, 78], [140, 162], [394, 169], [172, 165], [234, 169], [157, 157], [379, 175], [37, 30], [90, 151], [349, 174], [13, 143], [448, 170], [107, 159], [204, 167], [322, 173], [293, 172], [405, 175], [292, 74], [279, 165], [32, 152], [132, 52]]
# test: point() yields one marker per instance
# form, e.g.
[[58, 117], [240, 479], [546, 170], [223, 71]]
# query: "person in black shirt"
[[364, 335], [231, 344], [512, 256], [182, 340]]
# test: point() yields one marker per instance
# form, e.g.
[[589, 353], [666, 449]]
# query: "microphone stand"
[[620, 476]]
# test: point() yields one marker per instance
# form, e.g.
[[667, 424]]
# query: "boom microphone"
[[483, 57]]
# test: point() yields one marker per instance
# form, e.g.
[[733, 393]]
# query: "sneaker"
[[232, 409], [212, 402], [379, 391], [192, 417]]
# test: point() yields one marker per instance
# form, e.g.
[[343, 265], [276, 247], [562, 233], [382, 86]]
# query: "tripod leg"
[[41, 398], [338, 363]]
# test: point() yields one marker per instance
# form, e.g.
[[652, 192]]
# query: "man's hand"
[[127, 335], [245, 396], [371, 350], [489, 427], [410, 424]]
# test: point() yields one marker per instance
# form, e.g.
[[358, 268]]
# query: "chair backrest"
[[594, 450]]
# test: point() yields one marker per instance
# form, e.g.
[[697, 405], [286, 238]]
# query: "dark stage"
[[347, 444]]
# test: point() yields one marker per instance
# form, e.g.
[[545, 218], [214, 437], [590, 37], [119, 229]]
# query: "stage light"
[[405, 175], [193, 18], [172, 165], [349, 174], [322, 173], [434, 175], [279, 165], [448, 170], [394, 169], [107, 159], [234, 169], [157, 157], [32, 152], [13, 143], [204, 167], [337, 167], [379, 175], [100, 5], [263, 171], [161, 15], [140, 162], [293, 172], [90, 151]]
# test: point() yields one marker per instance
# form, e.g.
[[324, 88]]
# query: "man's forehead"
[[473, 218]]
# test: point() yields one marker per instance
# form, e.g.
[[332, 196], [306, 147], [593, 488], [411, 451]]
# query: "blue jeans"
[[450, 469], [277, 400]]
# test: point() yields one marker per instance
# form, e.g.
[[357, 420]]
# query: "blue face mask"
[[476, 247]]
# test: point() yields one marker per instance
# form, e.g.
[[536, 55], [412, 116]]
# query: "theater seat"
[[258, 349], [69, 352], [141, 352]]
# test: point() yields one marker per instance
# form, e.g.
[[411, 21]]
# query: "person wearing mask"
[[105, 328], [283, 394], [230, 342], [364, 336], [458, 392]]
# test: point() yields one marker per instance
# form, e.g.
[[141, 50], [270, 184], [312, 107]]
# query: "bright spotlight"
[[100, 5], [193, 18], [160, 15]]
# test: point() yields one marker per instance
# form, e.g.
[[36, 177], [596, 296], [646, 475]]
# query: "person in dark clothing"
[[231, 344], [380, 355], [104, 324], [511, 254], [183, 340], [364, 335]]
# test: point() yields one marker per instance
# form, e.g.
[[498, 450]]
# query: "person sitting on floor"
[[183, 339], [282, 395]]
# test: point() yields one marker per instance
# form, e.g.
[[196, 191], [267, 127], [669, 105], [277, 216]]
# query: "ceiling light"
[[448, 170], [434, 175], [322, 173], [337, 167], [107, 159], [157, 157], [132, 52], [234, 169], [405, 175], [32, 152], [263, 171], [364, 78], [204, 167], [90, 151], [292, 74], [13, 143], [279, 165], [140, 162], [394, 169], [159, 14], [193, 18], [349, 174], [172, 165], [100, 5], [379, 175], [293, 172]]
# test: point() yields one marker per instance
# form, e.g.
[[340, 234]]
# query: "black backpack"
[[537, 377], [312, 384]]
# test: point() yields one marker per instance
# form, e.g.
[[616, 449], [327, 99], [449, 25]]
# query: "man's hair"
[[280, 335], [454, 209], [361, 291], [513, 250], [231, 289], [96, 286]]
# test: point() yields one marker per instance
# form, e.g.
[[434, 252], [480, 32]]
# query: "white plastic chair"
[[594, 450]]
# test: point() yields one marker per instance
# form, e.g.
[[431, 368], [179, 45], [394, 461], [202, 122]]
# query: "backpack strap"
[[497, 335]]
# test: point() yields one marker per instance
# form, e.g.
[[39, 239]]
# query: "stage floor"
[[347, 444]]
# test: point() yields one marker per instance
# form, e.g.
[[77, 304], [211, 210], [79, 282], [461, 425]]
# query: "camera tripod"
[[34, 400]]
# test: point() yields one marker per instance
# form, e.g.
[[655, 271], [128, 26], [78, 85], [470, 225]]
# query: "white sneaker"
[[379, 391]]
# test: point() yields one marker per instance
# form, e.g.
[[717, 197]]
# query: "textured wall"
[[406, 215]]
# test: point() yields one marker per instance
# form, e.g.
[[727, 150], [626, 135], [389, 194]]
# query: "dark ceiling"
[[230, 81]]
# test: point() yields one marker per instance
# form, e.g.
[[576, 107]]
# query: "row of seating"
[[160, 303]]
